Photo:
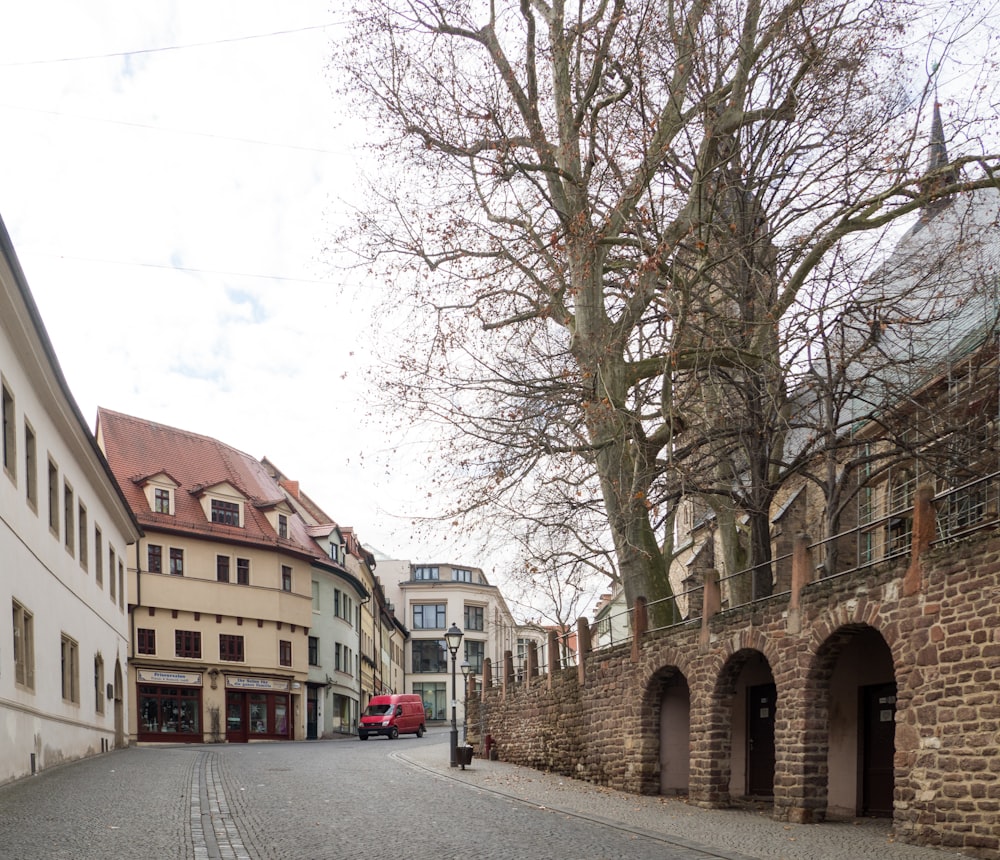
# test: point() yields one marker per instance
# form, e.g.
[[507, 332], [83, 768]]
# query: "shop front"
[[258, 709], [169, 706]]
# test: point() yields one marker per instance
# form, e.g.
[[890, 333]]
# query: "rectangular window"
[[98, 557], [222, 568], [474, 654], [473, 617], [425, 573], [154, 558], [282, 526], [24, 647], [430, 655], [99, 683], [70, 662], [284, 652], [30, 467], [227, 513], [242, 571], [313, 650], [69, 507], [161, 501], [230, 647], [111, 574], [9, 434], [176, 561], [337, 656], [83, 531], [461, 575], [121, 584], [187, 643], [53, 498], [429, 616], [145, 641], [286, 578]]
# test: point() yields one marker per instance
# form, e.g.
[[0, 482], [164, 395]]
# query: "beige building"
[[220, 589], [432, 597], [65, 530]]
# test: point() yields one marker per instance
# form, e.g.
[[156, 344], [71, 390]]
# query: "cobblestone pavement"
[[326, 800]]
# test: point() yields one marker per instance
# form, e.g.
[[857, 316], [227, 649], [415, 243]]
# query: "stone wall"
[[601, 721]]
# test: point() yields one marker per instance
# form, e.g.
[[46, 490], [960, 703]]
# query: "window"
[[284, 652], [121, 584], [282, 526], [473, 617], [435, 698], [30, 467], [222, 568], [145, 641], [69, 507], [82, 531], [425, 573], [461, 575], [227, 513], [70, 661], [176, 561], [242, 571], [286, 578], [9, 434], [111, 573], [187, 643], [474, 654], [54, 498], [230, 647], [24, 647], [161, 501], [338, 656], [315, 595], [430, 655], [154, 558], [98, 557], [429, 616], [313, 650], [99, 683]]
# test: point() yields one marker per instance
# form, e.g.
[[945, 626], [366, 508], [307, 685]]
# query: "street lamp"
[[466, 671], [453, 638]]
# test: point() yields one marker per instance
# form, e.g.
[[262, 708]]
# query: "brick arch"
[[712, 710], [830, 636], [648, 741]]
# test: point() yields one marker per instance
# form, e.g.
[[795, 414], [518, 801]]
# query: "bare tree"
[[602, 218]]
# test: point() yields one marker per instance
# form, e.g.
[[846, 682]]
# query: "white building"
[[432, 597], [65, 531]]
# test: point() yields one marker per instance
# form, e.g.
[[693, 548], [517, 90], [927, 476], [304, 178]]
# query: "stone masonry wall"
[[945, 646]]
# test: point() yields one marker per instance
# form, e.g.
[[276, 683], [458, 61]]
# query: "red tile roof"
[[138, 449]]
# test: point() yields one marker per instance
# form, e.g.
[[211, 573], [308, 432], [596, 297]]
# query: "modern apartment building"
[[65, 530], [219, 589]]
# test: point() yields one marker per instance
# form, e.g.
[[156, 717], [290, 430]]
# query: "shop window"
[[169, 710]]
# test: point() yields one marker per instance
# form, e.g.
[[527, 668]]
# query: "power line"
[[167, 48]]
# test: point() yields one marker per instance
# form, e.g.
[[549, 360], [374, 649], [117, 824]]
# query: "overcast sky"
[[169, 173]]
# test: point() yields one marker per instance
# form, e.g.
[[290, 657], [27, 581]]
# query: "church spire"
[[937, 175]]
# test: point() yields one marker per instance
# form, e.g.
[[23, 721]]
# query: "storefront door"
[[236, 721]]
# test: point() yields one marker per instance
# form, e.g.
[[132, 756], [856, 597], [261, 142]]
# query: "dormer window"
[[226, 513], [161, 501], [282, 526]]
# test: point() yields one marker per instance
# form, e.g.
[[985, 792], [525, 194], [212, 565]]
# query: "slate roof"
[[138, 449]]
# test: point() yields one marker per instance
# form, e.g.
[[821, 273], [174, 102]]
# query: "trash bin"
[[464, 755]]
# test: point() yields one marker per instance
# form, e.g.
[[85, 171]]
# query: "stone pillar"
[[487, 674], [531, 671], [583, 649], [712, 603], [508, 670], [802, 575], [640, 624], [924, 532], [553, 656]]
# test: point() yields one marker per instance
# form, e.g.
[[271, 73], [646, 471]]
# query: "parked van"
[[392, 716]]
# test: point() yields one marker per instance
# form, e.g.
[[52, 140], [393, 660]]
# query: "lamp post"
[[466, 671], [453, 638]]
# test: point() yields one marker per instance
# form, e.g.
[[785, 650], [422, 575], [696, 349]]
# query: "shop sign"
[[237, 682], [160, 676]]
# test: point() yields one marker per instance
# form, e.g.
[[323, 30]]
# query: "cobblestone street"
[[339, 799]]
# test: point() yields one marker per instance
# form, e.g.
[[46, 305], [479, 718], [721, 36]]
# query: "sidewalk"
[[734, 834]]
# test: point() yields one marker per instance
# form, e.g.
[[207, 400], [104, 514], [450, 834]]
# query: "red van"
[[392, 716]]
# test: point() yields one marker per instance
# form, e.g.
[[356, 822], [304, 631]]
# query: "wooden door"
[[761, 700], [878, 749]]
